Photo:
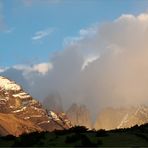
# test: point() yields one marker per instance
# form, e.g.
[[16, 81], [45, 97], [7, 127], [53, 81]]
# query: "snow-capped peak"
[[6, 84], [15, 101]]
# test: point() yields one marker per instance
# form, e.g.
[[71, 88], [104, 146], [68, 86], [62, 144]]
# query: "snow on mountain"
[[14, 100], [6, 84], [53, 115]]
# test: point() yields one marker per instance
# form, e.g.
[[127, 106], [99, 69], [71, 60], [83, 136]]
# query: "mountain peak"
[[16, 102], [6, 84]]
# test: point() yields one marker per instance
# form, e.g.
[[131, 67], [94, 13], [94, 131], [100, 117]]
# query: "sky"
[[33, 31], [92, 52]]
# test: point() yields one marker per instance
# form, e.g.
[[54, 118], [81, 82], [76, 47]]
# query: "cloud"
[[117, 77], [24, 74], [83, 33], [39, 35], [41, 68], [116, 54], [3, 69], [89, 60]]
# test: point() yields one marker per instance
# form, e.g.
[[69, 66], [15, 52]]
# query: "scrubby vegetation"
[[80, 136]]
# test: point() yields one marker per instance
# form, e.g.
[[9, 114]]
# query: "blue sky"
[[31, 31]]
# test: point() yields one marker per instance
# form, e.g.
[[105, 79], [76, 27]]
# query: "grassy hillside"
[[80, 136]]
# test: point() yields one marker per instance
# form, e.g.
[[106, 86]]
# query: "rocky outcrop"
[[22, 107], [79, 115], [112, 118], [10, 124]]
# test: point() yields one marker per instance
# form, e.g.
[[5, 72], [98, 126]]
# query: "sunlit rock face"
[[12, 125], [112, 118], [79, 115], [24, 109]]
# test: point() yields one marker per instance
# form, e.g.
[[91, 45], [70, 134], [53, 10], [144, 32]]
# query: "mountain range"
[[123, 117], [21, 113]]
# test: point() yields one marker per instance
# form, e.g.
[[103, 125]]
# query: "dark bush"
[[86, 142], [142, 136], [73, 138], [31, 139], [78, 129], [135, 127], [8, 137], [99, 142], [101, 133], [61, 132]]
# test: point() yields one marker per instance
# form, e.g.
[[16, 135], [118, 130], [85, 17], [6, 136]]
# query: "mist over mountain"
[[105, 66], [53, 102], [80, 115], [123, 117]]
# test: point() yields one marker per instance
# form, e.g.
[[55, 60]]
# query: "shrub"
[[86, 142], [78, 129], [101, 133], [73, 138], [8, 137]]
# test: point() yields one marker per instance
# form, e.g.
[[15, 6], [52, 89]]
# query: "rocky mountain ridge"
[[124, 117], [20, 113], [79, 115], [19, 104]]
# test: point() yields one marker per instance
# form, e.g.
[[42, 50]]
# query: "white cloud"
[[118, 77], [3, 69], [41, 68], [83, 33], [89, 60], [39, 35]]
